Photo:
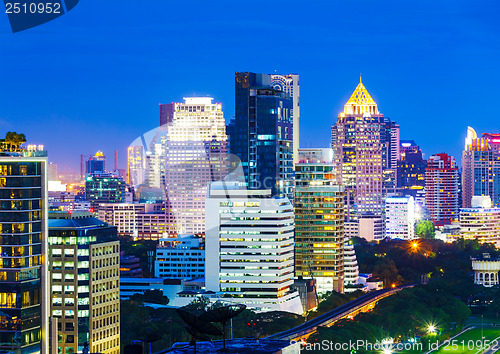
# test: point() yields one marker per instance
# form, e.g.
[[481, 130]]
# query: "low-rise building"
[[180, 257], [486, 270]]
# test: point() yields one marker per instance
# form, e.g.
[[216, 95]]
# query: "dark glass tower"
[[261, 134], [23, 219]]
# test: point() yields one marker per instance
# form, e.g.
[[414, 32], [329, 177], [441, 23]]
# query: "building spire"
[[360, 101], [360, 79]]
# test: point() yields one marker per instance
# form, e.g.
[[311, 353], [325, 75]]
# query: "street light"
[[431, 329]]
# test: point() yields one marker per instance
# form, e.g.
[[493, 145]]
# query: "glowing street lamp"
[[431, 329]]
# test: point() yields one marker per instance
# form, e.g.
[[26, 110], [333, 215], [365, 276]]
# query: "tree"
[[425, 229], [14, 140], [151, 296], [387, 271]]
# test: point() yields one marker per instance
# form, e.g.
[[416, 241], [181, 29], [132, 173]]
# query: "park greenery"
[[425, 229]]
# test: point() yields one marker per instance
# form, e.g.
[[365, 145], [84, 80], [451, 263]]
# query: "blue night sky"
[[93, 78]]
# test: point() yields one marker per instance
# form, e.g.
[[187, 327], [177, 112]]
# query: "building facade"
[[261, 133], [104, 188], [400, 218], [481, 221], [136, 165], [319, 224], [125, 215], [85, 275], [441, 188], [196, 154], [96, 163], [481, 167], [366, 151], [249, 248], [411, 168], [23, 246], [181, 257]]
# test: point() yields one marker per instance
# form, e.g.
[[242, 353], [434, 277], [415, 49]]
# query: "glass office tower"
[[23, 237]]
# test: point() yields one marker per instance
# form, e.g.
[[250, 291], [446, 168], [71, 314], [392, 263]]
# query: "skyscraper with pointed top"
[[366, 149]]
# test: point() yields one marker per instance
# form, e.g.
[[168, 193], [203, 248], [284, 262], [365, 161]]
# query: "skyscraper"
[[319, 220], [261, 133], [136, 165], [249, 248], [366, 149], [85, 276], [441, 189], [411, 168], [290, 85], [23, 246], [195, 149], [481, 167]]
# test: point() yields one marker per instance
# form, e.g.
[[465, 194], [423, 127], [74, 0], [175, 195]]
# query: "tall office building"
[[52, 172], [196, 154], [319, 222], [85, 276], [411, 168], [96, 163], [249, 248], [481, 167], [400, 217], [23, 246], [136, 165], [441, 186], [262, 133], [366, 149], [290, 85]]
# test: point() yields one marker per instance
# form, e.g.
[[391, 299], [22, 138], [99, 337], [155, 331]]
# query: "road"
[[328, 318]]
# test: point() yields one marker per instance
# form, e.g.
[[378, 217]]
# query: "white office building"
[[481, 222], [250, 248], [181, 257], [400, 217]]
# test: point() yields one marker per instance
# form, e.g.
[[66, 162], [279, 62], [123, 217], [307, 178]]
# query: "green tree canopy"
[[425, 229]]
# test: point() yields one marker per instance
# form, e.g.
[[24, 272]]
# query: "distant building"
[[136, 165], [319, 223], [181, 257], [84, 280], [249, 248], [441, 187], [104, 188], [96, 163], [366, 151], [400, 218], [169, 287], [480, 222], [369, 227], [481, 167], [24, 303], [52, 169], [261, 133]]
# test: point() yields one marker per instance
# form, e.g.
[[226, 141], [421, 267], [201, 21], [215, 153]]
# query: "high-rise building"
[[136, 165], [84, 278], [411, 168], [366, 150], [262, 133], [96, 163], [441, 189], [319, 223], [180, 257], [400, 217], [125, 215], [481, 221], [195, 149], [249, 248], [23, 246], [104, 188], [290, 85], [481, 167]]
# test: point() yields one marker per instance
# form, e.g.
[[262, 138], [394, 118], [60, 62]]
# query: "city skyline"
[[432, 71]]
